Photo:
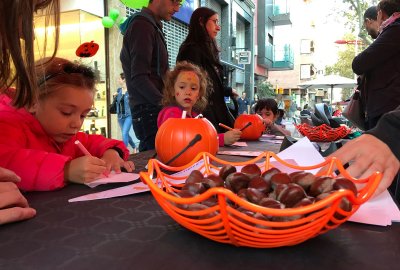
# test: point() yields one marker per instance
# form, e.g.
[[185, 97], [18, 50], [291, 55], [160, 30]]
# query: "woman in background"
[[200, 48]]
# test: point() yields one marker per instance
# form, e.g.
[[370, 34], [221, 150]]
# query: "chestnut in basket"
[[236, 181], [194, 188], [213, 180], [291, 195], [252, 170], [280, 178], [303, 179], [259, 183], [194, 177], [269, 173], [321, 185], [344, 183], [226, 170], [254, 195]]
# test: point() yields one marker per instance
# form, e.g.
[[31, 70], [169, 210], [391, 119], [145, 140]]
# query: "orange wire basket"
[[224, 223], [323, 133]]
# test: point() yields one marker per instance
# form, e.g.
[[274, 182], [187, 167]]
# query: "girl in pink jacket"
[[185, 90], [38, 143]]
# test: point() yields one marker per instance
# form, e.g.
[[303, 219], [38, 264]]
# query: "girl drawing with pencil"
[[38, 143], [185, 90]]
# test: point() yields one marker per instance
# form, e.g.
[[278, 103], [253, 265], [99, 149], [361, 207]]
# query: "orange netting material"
[[224, 223], [323, 133]]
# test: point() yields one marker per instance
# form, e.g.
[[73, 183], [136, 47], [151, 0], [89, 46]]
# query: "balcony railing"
[[281, 12], [281, 56]]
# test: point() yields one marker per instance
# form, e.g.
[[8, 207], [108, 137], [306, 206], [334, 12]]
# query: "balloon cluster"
[[112, 18]]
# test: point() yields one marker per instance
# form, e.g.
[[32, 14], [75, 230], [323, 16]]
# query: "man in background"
[[370, 22], [144, 58], [243, 102]]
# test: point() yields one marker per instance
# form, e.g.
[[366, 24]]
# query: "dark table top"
[[133, 232]]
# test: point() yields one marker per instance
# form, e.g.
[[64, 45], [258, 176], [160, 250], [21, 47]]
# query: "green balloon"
[[114, 14], [138, 3], [107, 22], [135, 3]]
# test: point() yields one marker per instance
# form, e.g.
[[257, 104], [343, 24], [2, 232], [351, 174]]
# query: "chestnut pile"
[[270, 189]]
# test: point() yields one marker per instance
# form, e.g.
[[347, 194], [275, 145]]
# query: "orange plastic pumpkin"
[[252, 132], [175, 134], [87, 49]]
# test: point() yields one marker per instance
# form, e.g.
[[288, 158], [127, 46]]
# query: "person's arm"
[[141, 38], [13, 206], [378, 150], [385, 47]]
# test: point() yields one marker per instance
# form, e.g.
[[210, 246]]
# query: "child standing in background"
[[39, 144], [185, 90], [268, 110]]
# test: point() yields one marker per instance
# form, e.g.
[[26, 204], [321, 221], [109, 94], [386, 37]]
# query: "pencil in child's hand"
[[225, 126], [87, 153], [82, 148]]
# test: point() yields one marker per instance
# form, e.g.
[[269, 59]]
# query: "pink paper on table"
[[241, 153], [240, 144], [112, 193]]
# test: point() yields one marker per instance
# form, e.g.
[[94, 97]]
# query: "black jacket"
[[388, 130], [216, 111], [144, 58], [380, 63]]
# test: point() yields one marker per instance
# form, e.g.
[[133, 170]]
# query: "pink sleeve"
[[168, 112], [98, 144], [221, 137]]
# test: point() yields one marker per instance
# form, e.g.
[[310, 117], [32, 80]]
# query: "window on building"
[[305, 71], [306, 46]]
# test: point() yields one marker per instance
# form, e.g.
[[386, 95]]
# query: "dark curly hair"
[[268, 104]]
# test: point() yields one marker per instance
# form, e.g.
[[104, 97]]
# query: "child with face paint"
[[185, 90]]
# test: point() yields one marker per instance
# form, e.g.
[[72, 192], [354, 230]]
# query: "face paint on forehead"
[[189, 76]]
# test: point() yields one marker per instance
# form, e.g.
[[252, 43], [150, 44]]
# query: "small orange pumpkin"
[[176, 133], [87, 49], [252, 132]]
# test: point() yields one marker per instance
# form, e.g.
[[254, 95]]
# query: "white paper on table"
[[380, 210], [112, 193], [122, 177], [304, 153]]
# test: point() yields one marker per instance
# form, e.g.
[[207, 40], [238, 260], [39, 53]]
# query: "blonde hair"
[[170, 80]]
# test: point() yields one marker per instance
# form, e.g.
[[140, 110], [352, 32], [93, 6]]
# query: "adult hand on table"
[[13, 206], [366, 155]]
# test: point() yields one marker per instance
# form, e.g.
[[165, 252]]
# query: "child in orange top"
[[38, 143], [185, 90]]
